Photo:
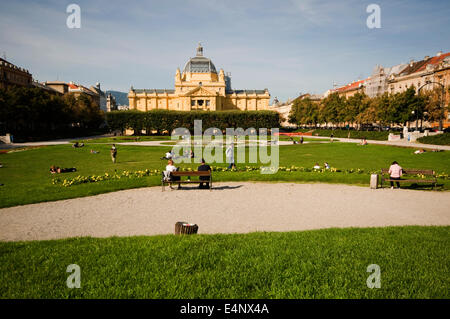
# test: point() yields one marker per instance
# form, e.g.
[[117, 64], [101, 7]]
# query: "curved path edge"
[[233, 207]]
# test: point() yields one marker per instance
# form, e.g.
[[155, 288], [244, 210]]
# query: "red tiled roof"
[[434, 60], [72, 86], [350, 86]]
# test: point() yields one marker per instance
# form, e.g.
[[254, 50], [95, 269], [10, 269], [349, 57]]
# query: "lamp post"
[[441, 104], [417, 117]]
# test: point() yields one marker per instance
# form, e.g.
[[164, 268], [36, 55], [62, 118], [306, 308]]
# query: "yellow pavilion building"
[[199, 87]]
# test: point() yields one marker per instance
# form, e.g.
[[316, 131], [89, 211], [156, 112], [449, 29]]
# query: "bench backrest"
[[193, 173], [408, 171]]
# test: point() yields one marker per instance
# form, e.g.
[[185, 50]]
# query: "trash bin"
[[183, 228], [374, 181]]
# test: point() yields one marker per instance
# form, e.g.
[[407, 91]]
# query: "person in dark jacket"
[[204, 168]]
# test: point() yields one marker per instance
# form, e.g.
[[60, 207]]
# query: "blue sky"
[[289, 46]]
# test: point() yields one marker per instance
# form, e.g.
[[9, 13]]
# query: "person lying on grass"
[[57, 170], [168, 156], [77, 145]]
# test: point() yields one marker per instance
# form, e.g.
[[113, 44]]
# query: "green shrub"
[[370, 135], [440, 139], [164, 120]]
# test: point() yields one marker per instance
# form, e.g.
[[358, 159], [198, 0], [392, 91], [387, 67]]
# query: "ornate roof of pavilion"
[[199, 63], [247, 91], [159, 91]]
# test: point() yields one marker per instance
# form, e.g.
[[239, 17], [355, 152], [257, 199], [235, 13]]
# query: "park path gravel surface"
[[235, 207]]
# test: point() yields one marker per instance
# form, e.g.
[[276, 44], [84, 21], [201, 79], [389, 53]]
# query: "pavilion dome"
[[199, 63]]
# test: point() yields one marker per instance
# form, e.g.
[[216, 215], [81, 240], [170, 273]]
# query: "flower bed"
[[67, 182], [143, 173]]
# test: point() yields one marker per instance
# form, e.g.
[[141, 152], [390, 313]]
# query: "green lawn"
[[26, 178], [331, 263], [343, 133], [121, 139], [281, 138]]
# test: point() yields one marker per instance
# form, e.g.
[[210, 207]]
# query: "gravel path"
[[161, 143], [230, 208]]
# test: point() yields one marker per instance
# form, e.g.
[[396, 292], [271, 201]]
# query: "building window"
[[200, 83], [200, 102], [207, 102], [192, 102]]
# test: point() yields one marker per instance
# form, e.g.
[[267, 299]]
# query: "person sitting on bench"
[[204, 168], [169, 169], [395, 172]]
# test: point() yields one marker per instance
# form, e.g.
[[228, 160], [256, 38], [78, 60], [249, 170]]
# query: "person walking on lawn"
[[113, 153], [230, 155]]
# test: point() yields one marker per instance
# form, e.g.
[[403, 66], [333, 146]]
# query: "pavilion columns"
[[146, 102]]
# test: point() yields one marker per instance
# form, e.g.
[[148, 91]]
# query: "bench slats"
[[410, 180], [412, 171], [430, 174], [187, 182], [193, 173]]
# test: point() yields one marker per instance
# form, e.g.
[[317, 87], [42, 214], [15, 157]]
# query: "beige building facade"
[[12, 75], [199, 87], [430, 69]]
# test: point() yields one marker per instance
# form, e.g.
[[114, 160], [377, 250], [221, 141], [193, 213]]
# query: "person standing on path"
[[113, 153]]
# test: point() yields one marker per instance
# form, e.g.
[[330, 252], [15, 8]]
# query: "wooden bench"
[[430, 176], [190, 174]]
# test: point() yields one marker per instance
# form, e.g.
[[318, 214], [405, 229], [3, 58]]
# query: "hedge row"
[[440, 139], [164, 120], [370, 135]]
